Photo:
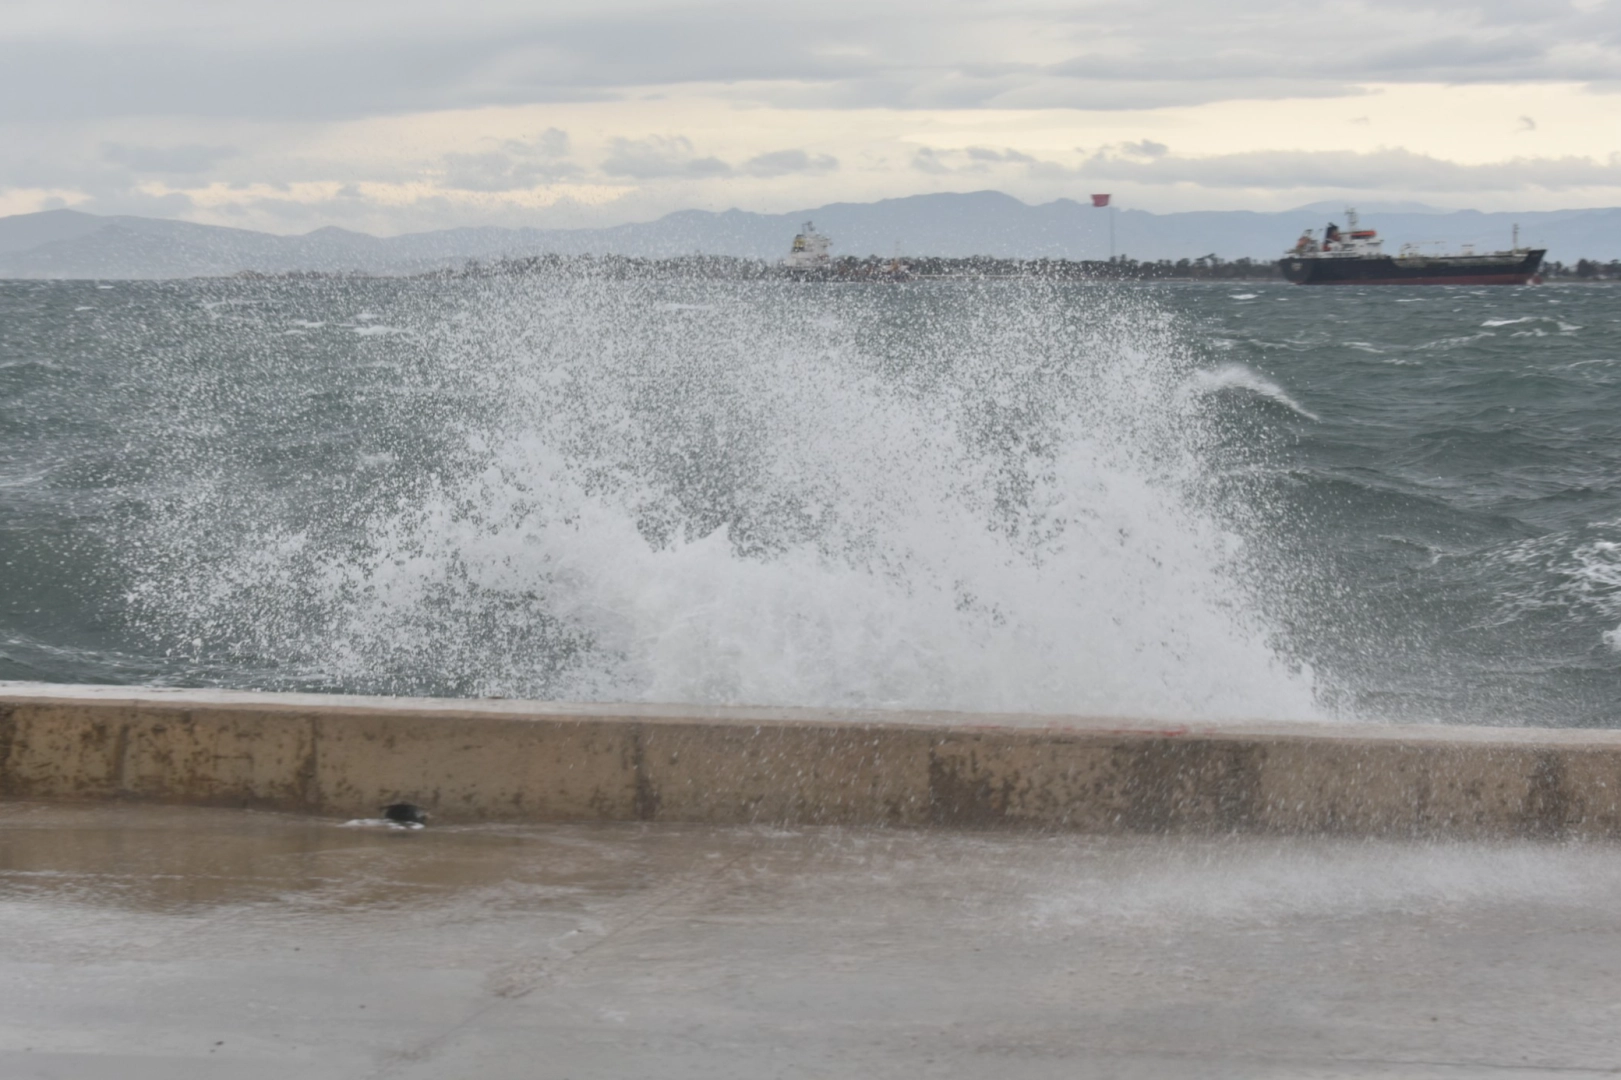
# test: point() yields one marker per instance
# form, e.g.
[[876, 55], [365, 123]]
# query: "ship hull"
[[1438, 270]]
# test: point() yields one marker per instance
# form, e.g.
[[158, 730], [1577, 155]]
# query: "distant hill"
[[71, 244]]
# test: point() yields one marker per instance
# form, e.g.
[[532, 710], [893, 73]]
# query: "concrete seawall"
[[475, 760]]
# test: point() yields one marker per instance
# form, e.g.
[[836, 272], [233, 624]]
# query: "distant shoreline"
[[983, 233], [845, 270]]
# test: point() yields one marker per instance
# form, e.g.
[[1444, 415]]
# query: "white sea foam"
[[1592, 574], [1587, 576], [1239, 377], [381, 823], [1000, 509], [1563, 327], [22, 479], [1456, 342]]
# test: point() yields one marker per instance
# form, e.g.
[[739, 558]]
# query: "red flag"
[[1100, 200]]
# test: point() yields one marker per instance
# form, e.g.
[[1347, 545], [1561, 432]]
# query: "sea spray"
[[979, 496]]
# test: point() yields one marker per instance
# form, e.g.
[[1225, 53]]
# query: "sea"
[[1181, 501]]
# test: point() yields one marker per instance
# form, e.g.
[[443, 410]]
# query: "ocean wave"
[[1456, 341], [1592, 573], [34, 363], [942, 496], [800, 500], [1237, 377], [1561, 326], [1573, 575]]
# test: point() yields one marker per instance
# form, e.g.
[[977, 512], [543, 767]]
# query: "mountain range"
[[73, 244]]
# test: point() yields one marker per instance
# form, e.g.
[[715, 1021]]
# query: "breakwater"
[[532, 761]]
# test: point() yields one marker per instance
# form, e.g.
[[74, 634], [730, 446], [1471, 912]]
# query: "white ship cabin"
[[810, 249], [1354, 242]]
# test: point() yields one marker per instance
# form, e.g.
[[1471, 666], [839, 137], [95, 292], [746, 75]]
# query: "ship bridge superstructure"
[[1352, 242], [810, 250]]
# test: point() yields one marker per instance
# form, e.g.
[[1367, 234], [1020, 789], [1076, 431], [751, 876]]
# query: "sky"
[[404, 115]]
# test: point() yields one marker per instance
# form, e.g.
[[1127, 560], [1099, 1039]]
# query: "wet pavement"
[[165, 942]]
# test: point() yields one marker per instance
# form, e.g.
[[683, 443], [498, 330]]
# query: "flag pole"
[[1105, 203]]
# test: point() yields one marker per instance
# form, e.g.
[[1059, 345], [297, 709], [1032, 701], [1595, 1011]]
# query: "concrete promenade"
[[613, 892], [470, 761], [143, 942]]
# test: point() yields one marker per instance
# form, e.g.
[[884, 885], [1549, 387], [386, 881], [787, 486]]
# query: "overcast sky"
[[398, 115]]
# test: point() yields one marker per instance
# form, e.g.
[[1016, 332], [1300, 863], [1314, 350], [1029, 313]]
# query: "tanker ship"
[[1356, 256]]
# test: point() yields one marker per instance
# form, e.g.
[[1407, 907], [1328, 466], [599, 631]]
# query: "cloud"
[[986, 154], [188, 159], [495, 170], [787, 162], [140, 203], [514, 165], [103, 102], [972, 159], [657, 157], [100, 58], [1145, 148], [551, 143], [1379, 170]]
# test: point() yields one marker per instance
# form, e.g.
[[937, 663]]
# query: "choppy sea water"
[[1170, 500]]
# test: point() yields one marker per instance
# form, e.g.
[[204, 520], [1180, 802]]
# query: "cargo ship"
[[1355, 256]]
